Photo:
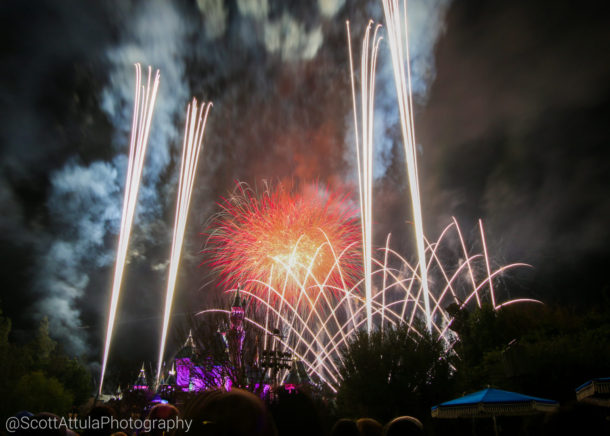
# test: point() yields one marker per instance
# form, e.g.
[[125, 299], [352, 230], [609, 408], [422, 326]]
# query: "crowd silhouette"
[[219, 413]]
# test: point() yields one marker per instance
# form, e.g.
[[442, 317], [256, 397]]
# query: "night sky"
[[512, 124]]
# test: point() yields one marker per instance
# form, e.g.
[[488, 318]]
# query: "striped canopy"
[[493, 402]]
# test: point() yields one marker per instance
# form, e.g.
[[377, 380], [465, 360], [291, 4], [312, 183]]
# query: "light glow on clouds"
[[215, 17], [289, 38], [328, 8]]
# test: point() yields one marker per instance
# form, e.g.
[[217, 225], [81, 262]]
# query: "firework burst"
[[303, 241]]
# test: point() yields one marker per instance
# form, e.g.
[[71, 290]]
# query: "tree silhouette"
[[392, 373], [38, 376]]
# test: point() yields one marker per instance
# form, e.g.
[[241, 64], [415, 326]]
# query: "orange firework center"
[[303, 258], [284, 244], [298, 253]]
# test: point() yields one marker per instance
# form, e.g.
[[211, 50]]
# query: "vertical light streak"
[[405, 105], [196, 119], [144, 103], [364, 151]]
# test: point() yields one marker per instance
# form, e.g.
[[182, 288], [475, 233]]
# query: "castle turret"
[[189, 349], [236, 334], [141, 382], [185, 362]]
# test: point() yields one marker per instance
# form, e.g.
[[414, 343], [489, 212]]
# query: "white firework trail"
[[318, 328], [144, 104], [398, 49], [364, 151], [194, 130], [491, 286]]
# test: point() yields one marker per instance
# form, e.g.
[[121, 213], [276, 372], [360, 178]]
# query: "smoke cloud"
[[85, 196], [84, 205], [85, 200]]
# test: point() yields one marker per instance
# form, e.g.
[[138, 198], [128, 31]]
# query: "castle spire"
[[141, 382], [237, 301], [236, 334], [189, 341]]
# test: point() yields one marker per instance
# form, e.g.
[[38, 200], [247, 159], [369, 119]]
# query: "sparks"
[[144, 104], [364, 151], [287, 238], [193, 136], [315, 329], [398, 49]]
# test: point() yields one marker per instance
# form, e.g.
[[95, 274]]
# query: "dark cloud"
[[515, 132]]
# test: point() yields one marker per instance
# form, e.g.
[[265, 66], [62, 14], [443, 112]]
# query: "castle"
[[192, 370]]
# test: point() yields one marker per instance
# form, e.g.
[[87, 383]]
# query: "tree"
[[5, 329], [37, 392], [540, 350], [43, 345], [72, 374], [38, 376], [392, 373]]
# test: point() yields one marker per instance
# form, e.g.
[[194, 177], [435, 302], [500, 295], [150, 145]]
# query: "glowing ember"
[[303, 241]]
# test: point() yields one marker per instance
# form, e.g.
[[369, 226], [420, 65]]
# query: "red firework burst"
[[292, 242]]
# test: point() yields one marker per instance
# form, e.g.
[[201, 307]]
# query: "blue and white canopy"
[[493, 402]]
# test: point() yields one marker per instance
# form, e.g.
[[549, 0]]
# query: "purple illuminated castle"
[[195, 370], [186, 362]]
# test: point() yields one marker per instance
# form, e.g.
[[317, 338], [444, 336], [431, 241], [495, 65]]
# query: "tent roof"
[[491, 395], [491, 402]]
